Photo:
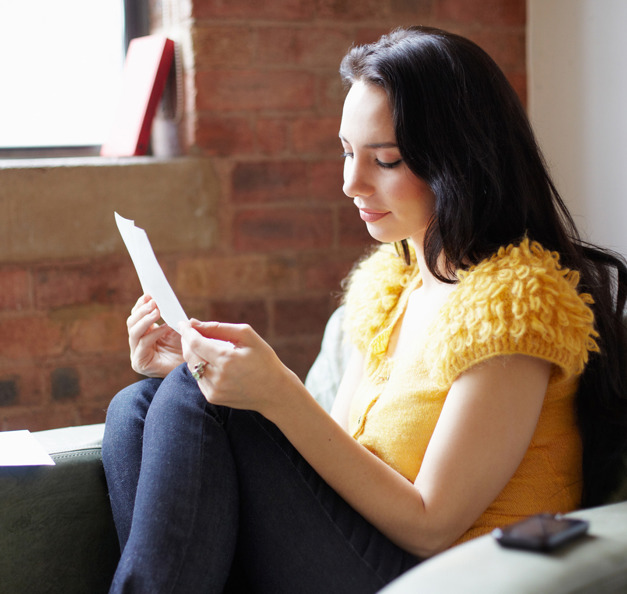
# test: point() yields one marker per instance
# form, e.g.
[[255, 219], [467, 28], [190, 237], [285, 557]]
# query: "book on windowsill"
[[146, 68]]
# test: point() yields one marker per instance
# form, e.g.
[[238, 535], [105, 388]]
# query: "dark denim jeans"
[[210, 499]]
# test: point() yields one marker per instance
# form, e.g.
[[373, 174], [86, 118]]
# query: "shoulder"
[[519, 301], [525, 274]]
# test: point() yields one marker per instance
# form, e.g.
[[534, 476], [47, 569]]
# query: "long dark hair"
[[461, 128]]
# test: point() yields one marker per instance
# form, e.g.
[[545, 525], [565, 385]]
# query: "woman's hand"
[[155, 349], [241, 370]]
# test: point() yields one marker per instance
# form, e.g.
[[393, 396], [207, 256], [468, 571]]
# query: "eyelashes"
[[389, 165], [382, 164]]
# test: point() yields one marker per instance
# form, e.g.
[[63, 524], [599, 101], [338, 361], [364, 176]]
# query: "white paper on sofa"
[[150, 273], [20, 448]]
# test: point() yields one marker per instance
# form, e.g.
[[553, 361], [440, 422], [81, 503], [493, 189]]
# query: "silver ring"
[[199, 369]]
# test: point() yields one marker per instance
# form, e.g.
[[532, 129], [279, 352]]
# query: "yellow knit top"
[[519, 301]]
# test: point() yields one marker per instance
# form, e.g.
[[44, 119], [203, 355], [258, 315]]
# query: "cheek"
[[424, 194], [409, 191]]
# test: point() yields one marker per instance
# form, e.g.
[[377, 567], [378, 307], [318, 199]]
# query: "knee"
[[126, 414], [177, 400], [130, 405]]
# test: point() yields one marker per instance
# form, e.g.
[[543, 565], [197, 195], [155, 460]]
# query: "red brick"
[[331, 94], [272, 135], [302, 315], [352, 230], [254, 313], [30, 336], [326, 181], [234, 277], [9, 390], [199, 308], [269, 181], [98, 331], [64, 384], [287, 10], [101, 380], [299, 354], [223, 46], [223, 136], [310, 47], [328, 273], [32, 388], [40, 418], [15, 289], [254, 90], [350, 10], [220, 277], [318, 136], [92, 415], [85, 283], [411, 12], [518, 80], [369, 34], [281, 229], [283, 273], [485, 12], [505, 46]]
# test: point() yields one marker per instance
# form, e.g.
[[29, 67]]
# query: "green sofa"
[[56, 528], [57, 534]]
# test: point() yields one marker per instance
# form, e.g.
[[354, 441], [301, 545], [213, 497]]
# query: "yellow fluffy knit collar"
[[518, 300]]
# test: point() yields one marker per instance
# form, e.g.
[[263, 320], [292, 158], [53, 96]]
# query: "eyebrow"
[[375, 145]]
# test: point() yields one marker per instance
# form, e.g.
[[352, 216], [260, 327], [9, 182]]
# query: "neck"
[[429, 281]]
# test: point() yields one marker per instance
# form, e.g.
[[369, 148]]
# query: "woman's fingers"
[[236, 334], [145, 298], [142, 318], [234, 366], [200, 346]]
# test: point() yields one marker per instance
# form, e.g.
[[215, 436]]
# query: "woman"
[[463, 406]]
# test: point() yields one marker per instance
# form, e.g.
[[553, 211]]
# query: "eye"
[[344, 155], [389, 165]]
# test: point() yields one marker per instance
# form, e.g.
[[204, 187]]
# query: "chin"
[[382, 237]]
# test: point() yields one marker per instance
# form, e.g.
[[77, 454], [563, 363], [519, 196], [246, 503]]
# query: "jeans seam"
[[196, 501]]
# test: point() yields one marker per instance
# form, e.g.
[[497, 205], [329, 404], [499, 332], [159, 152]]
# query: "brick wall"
[[260, 108]]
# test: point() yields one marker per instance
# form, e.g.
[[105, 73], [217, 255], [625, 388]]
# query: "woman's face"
[[394, 203]]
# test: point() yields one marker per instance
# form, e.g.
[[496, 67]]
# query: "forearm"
[[380, 494]]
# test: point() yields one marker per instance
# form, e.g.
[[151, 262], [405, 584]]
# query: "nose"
[[356, 178]]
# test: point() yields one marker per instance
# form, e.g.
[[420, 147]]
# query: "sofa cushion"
[[594, 564], [57, 532]]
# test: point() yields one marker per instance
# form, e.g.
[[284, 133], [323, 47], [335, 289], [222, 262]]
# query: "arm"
[[483, 432]]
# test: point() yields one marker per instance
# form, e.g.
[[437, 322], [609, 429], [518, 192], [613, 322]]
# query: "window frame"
[[136, 24]]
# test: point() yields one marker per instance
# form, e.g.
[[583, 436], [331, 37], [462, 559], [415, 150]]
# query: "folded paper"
[[151, 276], [20, 448]]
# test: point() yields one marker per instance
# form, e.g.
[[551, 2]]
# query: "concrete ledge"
[[63, 208]]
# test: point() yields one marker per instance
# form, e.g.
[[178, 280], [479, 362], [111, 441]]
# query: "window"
[[61, 69]]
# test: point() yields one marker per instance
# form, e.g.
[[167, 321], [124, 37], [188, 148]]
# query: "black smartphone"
[[542, 532]]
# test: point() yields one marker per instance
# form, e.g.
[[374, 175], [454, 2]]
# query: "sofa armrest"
[[57, 531], [593, 564]]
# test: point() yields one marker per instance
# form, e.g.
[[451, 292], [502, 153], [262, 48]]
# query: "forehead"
[[367, 116]]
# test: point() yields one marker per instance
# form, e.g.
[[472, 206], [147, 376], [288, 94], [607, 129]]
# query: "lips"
[[371, 216]]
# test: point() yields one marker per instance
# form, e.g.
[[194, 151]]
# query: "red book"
[[146, 69]]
